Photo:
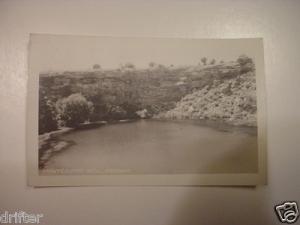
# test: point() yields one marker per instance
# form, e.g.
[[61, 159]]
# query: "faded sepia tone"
[[147, 106]]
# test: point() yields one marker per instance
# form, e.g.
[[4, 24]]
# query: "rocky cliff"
[[231, 101]]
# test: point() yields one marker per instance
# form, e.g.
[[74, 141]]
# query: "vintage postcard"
[[145, 111]]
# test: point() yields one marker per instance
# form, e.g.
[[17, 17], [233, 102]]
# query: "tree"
[[204, 60], [161, 66], [74, 109], [96, 67], [212, 62], [129, 66], [243, 60], [47, 114], [246, 64], [152, 64]]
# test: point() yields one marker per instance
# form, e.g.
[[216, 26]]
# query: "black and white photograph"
[[149, 112], [107, 106]]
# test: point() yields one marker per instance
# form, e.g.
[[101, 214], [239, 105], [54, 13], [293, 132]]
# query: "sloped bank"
[[49, 143], [231, 101]]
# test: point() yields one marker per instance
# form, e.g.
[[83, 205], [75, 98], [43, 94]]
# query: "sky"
[[67, 52]]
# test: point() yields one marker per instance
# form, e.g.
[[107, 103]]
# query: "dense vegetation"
[[73, 110], [216, 91]]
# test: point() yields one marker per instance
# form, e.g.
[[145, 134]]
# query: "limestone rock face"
[[231, 101]]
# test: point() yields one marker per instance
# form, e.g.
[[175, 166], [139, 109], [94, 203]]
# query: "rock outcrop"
[[231, 101]]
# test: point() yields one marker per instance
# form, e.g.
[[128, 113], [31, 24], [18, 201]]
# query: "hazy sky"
[[62, 52]]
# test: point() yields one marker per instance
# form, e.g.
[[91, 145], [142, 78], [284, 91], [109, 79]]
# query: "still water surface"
[[159, 147]]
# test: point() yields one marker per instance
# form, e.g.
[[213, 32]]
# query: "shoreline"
[[50, 143], [219, 125]]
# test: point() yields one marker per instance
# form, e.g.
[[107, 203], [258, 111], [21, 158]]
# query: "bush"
[[74, 110], [117, 112]]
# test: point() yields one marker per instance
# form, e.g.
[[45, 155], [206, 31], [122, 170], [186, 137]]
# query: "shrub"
[[115, 112], [74, 110]]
